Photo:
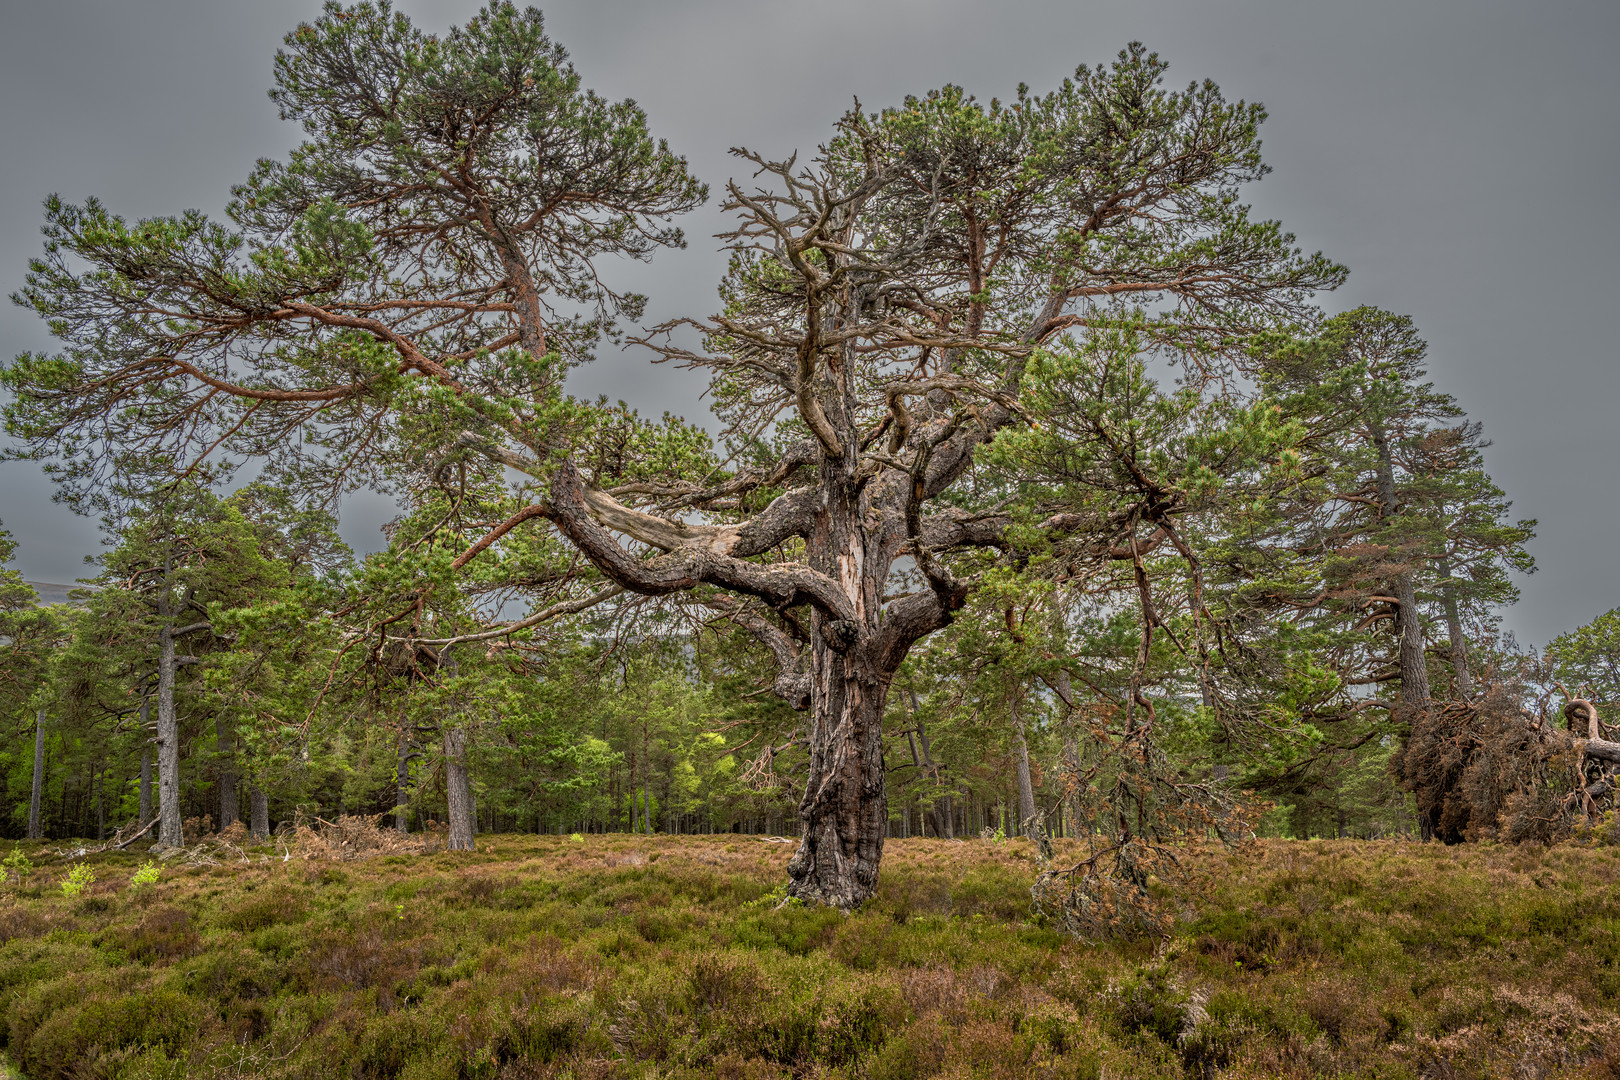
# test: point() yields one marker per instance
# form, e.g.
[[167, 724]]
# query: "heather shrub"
[[619, 955], [164, 934], [264, 907], [91, 1023]]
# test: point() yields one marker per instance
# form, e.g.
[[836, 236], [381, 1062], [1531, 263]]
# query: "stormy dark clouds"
[[1461, 156]]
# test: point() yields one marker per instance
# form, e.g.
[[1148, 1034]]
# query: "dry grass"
[[626, 956]]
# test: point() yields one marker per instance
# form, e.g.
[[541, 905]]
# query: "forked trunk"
[[845, 812]]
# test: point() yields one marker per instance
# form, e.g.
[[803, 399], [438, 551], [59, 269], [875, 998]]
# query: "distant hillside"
[[53, 594]]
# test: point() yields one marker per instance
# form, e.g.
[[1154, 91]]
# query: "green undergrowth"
[[672, 957]]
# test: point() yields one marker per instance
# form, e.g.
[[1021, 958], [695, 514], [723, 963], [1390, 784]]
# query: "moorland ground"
[[612, 956]]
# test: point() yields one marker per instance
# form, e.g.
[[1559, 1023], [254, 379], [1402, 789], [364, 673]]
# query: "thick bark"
[[258, 813], [1459, 647], [1602, 749], [402, 780], [845, 813], [1414, 664], [458, 789], [228, 814], [35, 826], [854, 528]]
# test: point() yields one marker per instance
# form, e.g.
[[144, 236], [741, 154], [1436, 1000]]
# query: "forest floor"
[[669, 957]]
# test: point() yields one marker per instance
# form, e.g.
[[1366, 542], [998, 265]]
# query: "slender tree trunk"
[[146, 758], [458, 788], [1026, 789], [633, 816], [258, 813], [168, 726], [146, 784], [1408, 625], [35, 827], [227, 775], [1459, 647], [646, 778], [1414, 664], [402, 779]]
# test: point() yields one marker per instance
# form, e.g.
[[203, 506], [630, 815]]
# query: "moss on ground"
[[636, 956]]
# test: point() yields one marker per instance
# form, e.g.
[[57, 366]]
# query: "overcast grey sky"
[[1460, 156]]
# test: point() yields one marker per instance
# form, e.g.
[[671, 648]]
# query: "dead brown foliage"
[[355, 836], [1492, 769]]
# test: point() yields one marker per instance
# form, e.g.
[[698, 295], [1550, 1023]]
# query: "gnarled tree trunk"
[[845, 812]]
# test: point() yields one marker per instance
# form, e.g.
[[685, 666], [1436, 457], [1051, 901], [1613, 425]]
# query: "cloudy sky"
[[1462, 157]]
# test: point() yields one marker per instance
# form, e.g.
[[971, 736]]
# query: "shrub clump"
[[614, 956]]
